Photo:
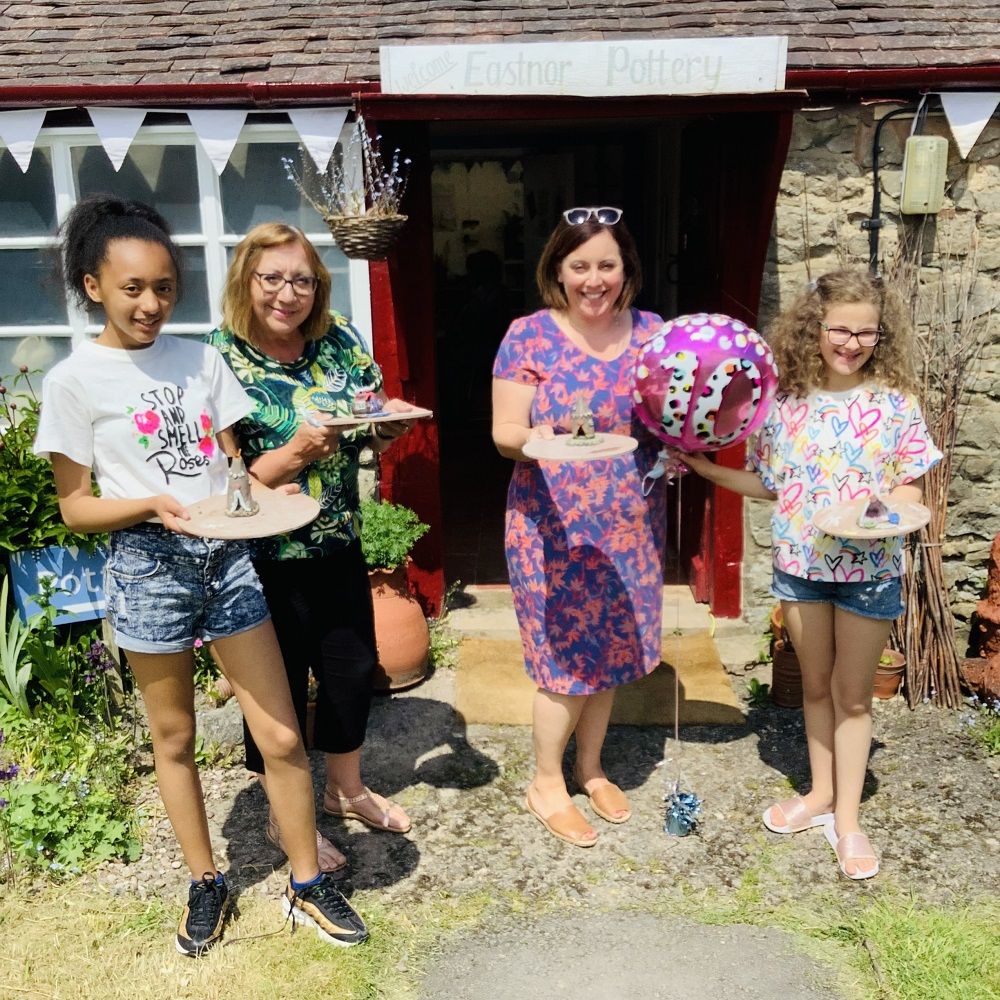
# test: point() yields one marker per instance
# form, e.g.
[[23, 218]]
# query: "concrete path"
[[625, 955]]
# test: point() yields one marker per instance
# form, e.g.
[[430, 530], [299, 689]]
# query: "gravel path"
[[931, 810]]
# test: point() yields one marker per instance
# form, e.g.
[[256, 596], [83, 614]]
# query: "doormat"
[[492, 688]]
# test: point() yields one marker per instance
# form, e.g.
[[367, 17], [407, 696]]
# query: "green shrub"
[[31, 518], [388, 533]]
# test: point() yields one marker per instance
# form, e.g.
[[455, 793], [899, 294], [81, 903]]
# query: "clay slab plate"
[[561, 449], [278, 514], [841, 519], [385, 417]]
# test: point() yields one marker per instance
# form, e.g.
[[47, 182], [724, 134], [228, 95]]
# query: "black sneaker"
[[204, 916], [325, 907]]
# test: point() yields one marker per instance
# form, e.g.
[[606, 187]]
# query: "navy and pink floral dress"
[[584, 546]]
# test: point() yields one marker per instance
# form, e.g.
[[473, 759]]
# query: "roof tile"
[[85, 41]]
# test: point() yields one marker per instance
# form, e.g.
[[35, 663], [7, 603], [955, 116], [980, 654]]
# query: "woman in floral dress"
[[300, 362], [584, 542]]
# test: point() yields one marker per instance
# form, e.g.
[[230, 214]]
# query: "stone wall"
[[825, 193]]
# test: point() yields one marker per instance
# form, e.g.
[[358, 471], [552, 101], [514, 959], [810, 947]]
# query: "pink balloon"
[[704, 382]]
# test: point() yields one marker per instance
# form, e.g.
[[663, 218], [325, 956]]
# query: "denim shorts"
[[164, 590], [880, 599]]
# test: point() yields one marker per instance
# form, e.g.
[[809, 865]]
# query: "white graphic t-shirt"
[[144, 420], [828, 448]]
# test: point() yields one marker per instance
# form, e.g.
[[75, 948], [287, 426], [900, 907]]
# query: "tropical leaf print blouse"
[[832, 447], [324, 380]]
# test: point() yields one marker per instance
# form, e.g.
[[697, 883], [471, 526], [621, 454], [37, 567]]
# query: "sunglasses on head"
[[605, 215]]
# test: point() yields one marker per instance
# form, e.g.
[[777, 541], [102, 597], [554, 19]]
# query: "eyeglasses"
[[840, 335], [605, 215], [273, 283]]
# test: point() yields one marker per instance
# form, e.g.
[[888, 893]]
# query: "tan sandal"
[[608, 799], [345, 810], [568, 825], [330, 859]]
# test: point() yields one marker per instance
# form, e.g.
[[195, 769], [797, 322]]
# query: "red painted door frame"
[[758, 127]]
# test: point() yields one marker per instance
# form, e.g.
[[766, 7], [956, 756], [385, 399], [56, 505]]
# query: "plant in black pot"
[[388, 533]]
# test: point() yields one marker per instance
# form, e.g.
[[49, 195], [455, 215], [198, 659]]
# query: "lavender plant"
[[358, 181]]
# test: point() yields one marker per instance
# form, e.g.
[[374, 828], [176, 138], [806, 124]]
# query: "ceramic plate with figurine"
[[277, 514], [871, 517], [379, 417], [570, 448]]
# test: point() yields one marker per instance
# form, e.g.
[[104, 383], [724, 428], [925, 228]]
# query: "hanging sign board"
[[588, 69]]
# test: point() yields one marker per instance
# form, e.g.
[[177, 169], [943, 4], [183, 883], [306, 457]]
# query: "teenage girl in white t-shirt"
[[149, 419]]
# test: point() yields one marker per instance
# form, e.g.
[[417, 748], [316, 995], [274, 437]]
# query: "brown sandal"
[[345, 810], [568, 825], [330, 858]]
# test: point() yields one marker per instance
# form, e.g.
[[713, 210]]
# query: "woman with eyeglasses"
[[300, 362], [845, 424], [584, 544]]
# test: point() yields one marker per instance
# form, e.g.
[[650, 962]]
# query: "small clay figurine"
[[876, 514], [239, 499], [582, 430], [365, 403]]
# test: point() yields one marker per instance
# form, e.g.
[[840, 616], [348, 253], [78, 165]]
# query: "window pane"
[[38, 353], [193, 306], [340, 292], [165, 177], [255, 189], [27, 201], [30, 288]]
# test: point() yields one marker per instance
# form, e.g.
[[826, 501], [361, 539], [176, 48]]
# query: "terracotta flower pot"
[[401, 632], [778, 630], [889, 674], [786, 676]]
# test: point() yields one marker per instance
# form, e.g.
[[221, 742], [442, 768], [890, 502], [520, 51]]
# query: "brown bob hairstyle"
[[564, 240], [237, 309]]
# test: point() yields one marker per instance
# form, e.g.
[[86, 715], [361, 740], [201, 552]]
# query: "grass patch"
[[985, 731], [83, 943]]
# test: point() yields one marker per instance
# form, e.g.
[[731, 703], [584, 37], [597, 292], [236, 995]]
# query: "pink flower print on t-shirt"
[[207, 444], [147, 421]]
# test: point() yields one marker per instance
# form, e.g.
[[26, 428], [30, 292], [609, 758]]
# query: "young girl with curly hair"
[[844, 425]]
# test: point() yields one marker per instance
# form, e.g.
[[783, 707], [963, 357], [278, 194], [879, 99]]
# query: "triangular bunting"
[[116, 128], [319, 130], [217, 132], [18, 131], [967, 113]]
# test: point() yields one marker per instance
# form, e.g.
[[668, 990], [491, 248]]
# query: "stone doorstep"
[[490, 614]]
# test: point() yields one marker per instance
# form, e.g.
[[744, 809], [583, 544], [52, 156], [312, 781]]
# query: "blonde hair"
[[794, 335], [237, 307]]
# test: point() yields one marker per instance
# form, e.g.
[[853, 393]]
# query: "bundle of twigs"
[[950, 334]]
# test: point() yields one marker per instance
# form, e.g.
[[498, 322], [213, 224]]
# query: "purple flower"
[[8, 772]]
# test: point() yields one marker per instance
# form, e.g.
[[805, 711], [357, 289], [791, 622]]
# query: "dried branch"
[[940, 289]]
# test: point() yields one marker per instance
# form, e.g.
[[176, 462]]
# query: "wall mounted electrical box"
[[925, 170]]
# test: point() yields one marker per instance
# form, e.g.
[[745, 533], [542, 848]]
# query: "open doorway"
[[497, 189]]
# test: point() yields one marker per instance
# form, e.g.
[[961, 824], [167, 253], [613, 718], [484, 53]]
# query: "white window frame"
[[216, 243]]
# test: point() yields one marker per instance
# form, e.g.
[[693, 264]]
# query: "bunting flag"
[[967, 112], [217, 132], [319, 130], [18, 132], [116, 128]]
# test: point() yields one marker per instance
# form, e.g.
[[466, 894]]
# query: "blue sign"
[[77, 577]]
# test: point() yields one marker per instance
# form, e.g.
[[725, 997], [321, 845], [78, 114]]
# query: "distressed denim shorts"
[[164, 590], [880, 599]]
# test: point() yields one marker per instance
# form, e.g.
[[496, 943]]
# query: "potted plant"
[[889, 673], [388, 533], [786, 674], [358, 196]]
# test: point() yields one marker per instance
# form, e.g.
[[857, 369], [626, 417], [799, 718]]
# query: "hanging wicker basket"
[[365, 237]]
